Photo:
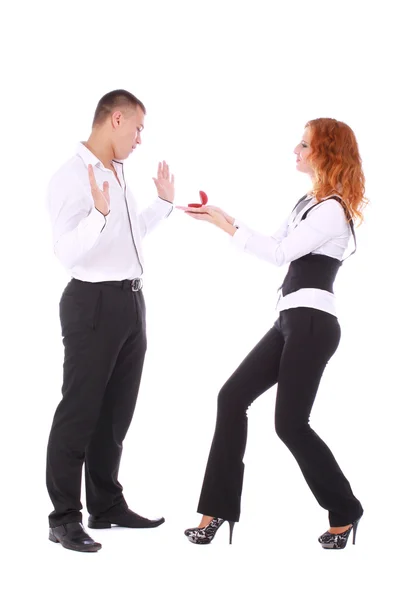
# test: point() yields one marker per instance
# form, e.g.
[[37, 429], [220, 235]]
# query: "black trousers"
[[292, 354], [104, 335]]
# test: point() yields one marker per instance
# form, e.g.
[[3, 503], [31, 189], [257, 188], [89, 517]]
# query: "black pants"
[[292, 354], [104, 335]]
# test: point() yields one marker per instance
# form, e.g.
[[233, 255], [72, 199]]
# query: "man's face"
[[127, 126]]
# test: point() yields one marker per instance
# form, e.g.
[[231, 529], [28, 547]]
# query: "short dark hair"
[[118, 98]]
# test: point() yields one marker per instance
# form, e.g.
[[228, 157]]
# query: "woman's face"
[[302, 152]]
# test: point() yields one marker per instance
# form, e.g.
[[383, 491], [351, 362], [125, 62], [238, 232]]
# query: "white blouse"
[[325, 230]]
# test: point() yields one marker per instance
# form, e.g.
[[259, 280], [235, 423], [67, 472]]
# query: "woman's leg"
[[311, 338], [222, 486]]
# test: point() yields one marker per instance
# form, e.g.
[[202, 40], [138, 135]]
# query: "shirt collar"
[[90, 159]]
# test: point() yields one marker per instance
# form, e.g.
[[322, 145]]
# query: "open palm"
[[164, 182], [101, 198]]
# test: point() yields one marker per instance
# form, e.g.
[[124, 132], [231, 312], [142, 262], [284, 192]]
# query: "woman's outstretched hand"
[[212, 214]]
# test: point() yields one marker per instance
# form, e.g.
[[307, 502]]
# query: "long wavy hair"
[[337, 165]]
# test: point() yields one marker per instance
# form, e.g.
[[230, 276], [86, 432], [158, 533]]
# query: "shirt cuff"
[[97, 220], [164, 207], [238, 223], [241, 237]]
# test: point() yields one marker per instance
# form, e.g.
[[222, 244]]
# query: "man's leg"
[[105, 500], [103, 454]]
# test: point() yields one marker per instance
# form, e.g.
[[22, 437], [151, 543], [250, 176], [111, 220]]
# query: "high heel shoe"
[[205, 535], [338, 541], [191, 530], [187, 532]]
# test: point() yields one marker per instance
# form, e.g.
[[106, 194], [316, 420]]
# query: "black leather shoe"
[[127, 518], [74, 537]]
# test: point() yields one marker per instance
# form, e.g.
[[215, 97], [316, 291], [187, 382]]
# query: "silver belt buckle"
[[137, 285]]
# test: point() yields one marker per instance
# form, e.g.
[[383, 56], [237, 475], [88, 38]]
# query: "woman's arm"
[[324, 222]]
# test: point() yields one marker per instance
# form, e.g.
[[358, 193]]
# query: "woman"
[[313, 240]]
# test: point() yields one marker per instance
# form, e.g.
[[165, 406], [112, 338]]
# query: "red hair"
[[337, 165]]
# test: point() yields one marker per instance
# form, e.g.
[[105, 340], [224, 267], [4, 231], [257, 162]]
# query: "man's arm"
[[75, 221], [153, 214], [163, 206]]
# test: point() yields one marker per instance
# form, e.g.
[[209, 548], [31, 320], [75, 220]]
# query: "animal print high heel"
[[205, 535], [187, 532], [338, 541]]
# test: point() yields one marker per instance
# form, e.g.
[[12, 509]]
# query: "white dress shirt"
[[90, 246], [325, 230]]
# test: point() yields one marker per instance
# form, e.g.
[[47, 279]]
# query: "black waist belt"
[[311, 271], [134, 284], [126, 284]]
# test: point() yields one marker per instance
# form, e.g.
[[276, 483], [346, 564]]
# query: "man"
[[97, 237]]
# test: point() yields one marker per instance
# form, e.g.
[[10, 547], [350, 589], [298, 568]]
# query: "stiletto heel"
[[231, 526], [205, 535], [355, 525], [338, 541]]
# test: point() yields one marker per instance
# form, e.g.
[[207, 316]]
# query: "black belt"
[[126, 284], [134, 284]]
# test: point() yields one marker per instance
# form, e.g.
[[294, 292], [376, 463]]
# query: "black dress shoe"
[[125, 518], [74, 537]]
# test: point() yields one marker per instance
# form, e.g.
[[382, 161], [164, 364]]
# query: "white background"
[[228, 88]]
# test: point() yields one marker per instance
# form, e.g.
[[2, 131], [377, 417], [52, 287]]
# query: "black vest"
[[314, 270]]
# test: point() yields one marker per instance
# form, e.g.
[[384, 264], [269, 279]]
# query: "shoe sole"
[[199, 542], [68, 546]]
